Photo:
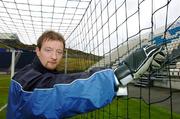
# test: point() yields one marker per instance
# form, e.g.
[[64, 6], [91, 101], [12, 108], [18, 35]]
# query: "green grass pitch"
[[118, 109]]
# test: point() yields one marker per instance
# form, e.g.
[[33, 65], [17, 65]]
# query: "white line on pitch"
[[3, 107]]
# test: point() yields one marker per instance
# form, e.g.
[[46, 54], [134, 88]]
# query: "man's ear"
[[37, 51]]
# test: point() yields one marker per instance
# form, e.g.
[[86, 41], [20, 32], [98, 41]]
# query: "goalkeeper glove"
[[138, 62]]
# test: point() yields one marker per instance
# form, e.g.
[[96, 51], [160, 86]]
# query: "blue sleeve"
[[62, 100]]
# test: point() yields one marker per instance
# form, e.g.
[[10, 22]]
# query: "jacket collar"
[[37, 65]]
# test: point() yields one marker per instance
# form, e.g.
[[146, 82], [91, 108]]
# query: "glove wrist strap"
[[126, 80], [123, 74]]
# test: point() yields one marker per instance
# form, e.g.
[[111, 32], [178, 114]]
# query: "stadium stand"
[[173, 46], [5, 59], [23, 59], [2, 50], [171, 35], [174, 31], [161, 77]]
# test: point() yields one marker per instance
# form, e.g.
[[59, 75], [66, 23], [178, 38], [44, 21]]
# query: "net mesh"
[[111, 29]]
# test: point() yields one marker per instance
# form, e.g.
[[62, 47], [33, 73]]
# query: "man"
[[38, 91]]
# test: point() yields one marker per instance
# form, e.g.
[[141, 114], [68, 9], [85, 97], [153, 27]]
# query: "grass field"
[[117, 109], [4, 84]]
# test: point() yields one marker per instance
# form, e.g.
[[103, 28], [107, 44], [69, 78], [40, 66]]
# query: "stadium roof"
[[25, 20], [9, 39]]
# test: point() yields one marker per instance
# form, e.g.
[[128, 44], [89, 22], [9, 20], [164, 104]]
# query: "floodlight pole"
[[12, 63]]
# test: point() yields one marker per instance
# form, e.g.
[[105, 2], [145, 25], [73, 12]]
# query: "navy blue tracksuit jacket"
[[37, 93]]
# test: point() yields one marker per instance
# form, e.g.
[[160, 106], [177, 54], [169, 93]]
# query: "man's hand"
[[138, 62]]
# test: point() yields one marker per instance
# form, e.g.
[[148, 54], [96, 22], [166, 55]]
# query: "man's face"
[[50, 54]]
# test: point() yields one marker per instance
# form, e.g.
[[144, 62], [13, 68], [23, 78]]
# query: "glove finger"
[[158, 60], [160, 56], [155, 64]]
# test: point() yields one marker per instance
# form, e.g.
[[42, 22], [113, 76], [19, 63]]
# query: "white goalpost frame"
[[12, 62]]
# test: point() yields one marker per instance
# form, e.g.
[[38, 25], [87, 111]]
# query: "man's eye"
[[60, 52], [48, 50]]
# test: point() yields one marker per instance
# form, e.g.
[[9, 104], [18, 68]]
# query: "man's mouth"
[[51, 62]]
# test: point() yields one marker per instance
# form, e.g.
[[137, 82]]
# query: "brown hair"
[[50, 35]]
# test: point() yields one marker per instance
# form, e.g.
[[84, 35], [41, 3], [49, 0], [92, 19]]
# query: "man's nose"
[[54, 55]]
